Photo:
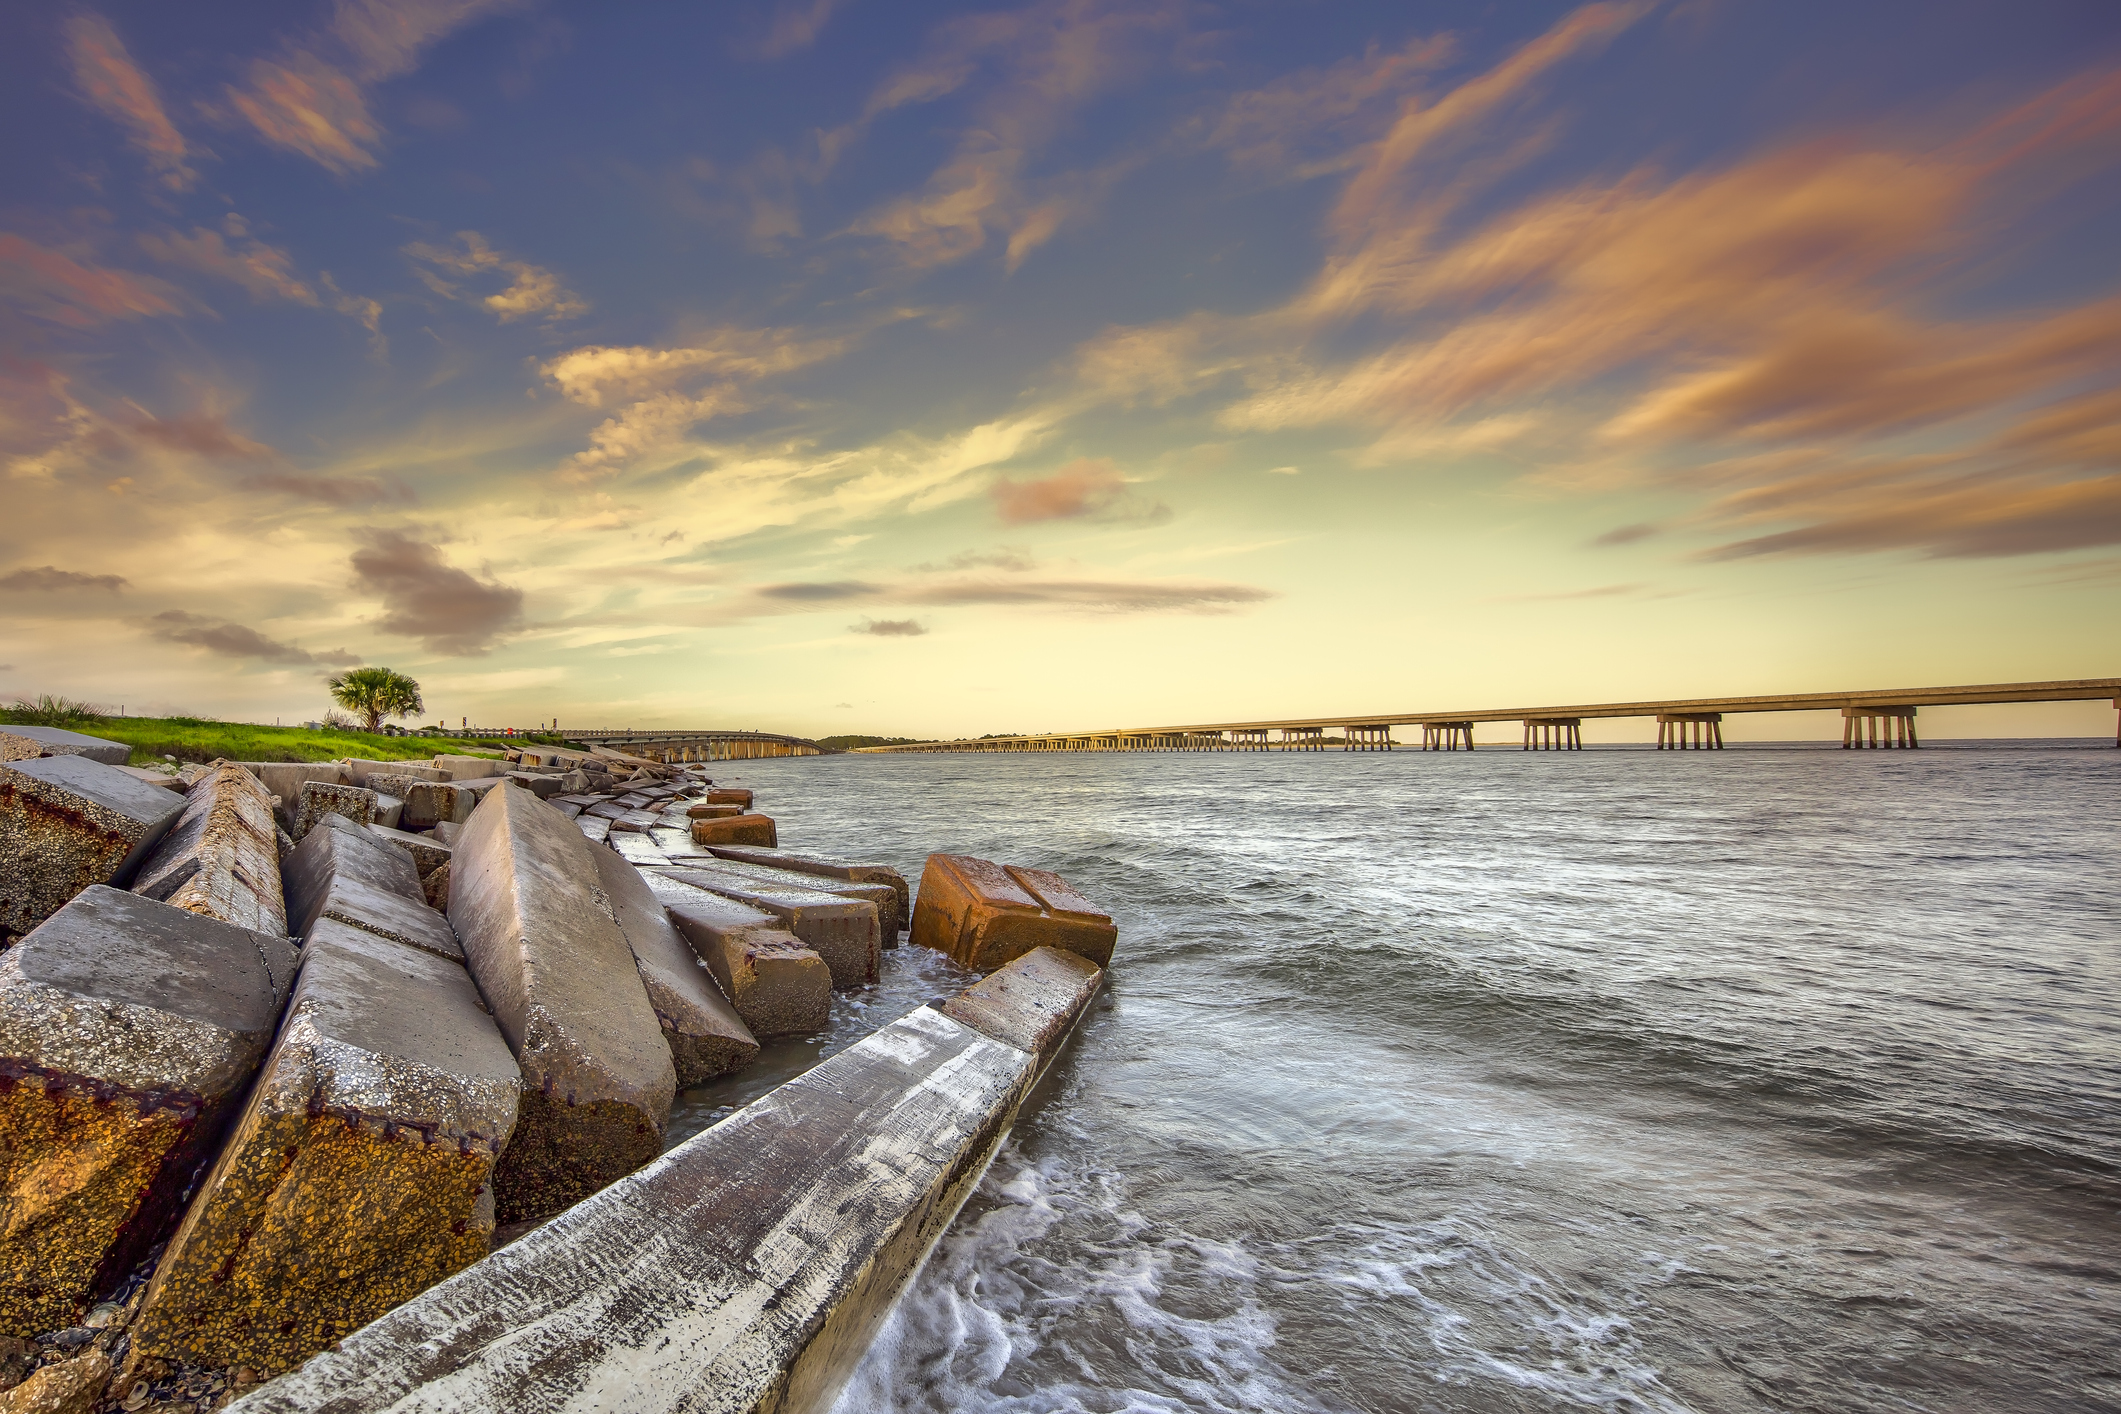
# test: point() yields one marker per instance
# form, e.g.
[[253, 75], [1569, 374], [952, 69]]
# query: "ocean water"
[[1761, 1079]]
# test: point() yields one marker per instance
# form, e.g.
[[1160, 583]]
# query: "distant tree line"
[[849, 743]]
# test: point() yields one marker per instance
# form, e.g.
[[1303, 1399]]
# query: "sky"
[[830, 366]]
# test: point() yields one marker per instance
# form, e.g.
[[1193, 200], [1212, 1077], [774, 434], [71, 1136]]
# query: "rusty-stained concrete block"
[[985, 914], [128, 1031], [738, 829], [19, 743], [358, 1173], [537, 929], [343, 873], [843, 931], [1032, 1003], [320, 798], [746, 1270], [67, 822], [222, 857], [706, 1035], [713, 812], [778, 986], [827, 867], [729, 795]]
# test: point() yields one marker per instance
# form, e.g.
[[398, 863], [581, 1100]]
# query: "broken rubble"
[[778, 986], [222, 857], [705, 1034], [526, 900], [67, 822], [128, 1029], [357, 1175]]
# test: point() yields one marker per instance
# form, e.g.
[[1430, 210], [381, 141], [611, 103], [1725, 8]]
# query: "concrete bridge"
[[1873, 718], [667, 744]]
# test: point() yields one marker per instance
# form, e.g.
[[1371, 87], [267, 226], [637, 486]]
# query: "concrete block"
[[882, 897], [470, 768], [637, 821], [436, 887], [595, 828], [985, 914], [705, 1034], [778, 986], [713, 812], [285, 778], [389, 811], [321, 798], [426, 852], [729, 795], [128, 1031], [739, 829], [446, 831], [67, 822], [343, 873], [566, 807], [222, 857], [542, 786], [828, 867], [167, 780], [746, 1270], [431, 803], [575, 782], [358, 771], [1032, 1003], [358, 1173], [527, 901], [842, 931], [636, 848], [19, 743]]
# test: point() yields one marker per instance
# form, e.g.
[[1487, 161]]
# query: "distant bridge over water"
[[1873, 718], [670, 744]]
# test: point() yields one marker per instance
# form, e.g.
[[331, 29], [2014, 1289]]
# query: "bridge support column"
[[1690, 731], [1446, 736], [1553, 734], [1895, 724], [1374, 737], [1303, 738]]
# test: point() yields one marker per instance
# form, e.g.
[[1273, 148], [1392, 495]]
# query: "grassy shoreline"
[[196, 739]]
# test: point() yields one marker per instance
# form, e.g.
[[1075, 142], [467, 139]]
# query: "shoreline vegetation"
[[153, 741]]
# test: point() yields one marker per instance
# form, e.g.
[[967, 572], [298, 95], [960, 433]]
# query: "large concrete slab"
[[128, 1031], [985, 914], [747, 1270], [358, 1173], [828, 867], [426, 852], [67, 822], [526, 899], [737, 829], [19, 743], [222, 857], [1031, 1004], [778, 986], [345, 874], [470, 768], [882, 897], [843, 931], [706, 1035], [359, 770]]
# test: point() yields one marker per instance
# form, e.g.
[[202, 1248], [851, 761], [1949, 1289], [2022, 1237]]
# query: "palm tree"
[[376, 693]]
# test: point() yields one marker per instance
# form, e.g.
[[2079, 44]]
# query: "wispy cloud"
[[111, 82], [233, 640], [473, 265], [65, 291], [44, 579], [890, 628]]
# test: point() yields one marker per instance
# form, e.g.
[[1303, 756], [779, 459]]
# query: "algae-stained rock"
[[828, 867], [843, 931], [222, 857], [985, 914], [1032, 1003], [537, 930], [128, 1030], [778, 986], [358, 1173], [706, 1035], [737, 829], [67, 822], [22, 743], [320, 798], [342, 872], [747, 1270]]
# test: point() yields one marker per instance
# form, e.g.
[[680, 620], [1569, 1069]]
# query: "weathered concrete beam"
[[358, 1174], [67, 822], [882, 897], [746, 1270], [1033, 1003], [222, 857], [18, 743], [827, 867], [537, 929], [706, 1035], [843, 931], [985, 914], [128, 1030], [345, 874], [778, 986]]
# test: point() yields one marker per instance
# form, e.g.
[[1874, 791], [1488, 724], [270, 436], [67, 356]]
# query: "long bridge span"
[[1872, 718], [671, 744]]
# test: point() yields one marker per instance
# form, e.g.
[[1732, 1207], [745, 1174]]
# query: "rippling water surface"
[[1762, 1079]]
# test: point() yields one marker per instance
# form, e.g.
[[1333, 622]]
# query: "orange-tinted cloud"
[[112, 82], [530, 289], [64, 291], [266, 272], [1080, 488]]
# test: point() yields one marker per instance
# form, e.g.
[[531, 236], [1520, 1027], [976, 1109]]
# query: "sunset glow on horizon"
[[833, 367]]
